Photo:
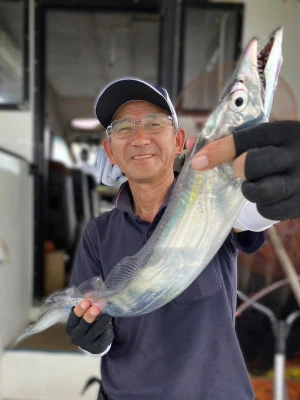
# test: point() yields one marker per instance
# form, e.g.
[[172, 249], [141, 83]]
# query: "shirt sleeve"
[[95, 355], [248, 242], [250, 219], [86, 264]]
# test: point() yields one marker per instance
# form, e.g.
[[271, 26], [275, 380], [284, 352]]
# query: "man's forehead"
[[136, 106]]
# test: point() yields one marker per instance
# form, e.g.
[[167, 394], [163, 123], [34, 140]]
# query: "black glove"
[[272, 167], [94, 337]]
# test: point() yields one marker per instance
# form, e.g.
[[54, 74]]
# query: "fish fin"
[[56, 300], [122, 274], [92, 285], [88, 288], [50, 315]]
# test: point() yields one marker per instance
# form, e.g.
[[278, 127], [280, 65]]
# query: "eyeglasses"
[[126, 127]]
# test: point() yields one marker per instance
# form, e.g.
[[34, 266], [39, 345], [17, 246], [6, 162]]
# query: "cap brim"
[[122, 91]]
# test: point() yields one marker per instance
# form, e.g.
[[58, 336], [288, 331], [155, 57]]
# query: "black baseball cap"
[[120, 91]]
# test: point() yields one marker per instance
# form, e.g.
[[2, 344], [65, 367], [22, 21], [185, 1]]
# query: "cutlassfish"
[[195, 224]]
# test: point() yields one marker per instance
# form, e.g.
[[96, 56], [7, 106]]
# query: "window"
[[211, 37], [60, 152], [13, 20]]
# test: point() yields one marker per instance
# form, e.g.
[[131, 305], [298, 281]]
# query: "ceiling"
[[85, 50]]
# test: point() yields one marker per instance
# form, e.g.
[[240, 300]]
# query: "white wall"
[[16, 276], [16, 133], [16, 214]]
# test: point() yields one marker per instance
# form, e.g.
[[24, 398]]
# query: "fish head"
[[248, 96]]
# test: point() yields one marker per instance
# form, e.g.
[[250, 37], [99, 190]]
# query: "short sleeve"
[[247, 241], [86, 263]]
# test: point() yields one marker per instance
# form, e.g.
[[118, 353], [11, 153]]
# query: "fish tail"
[[57, 300], [55, 309]]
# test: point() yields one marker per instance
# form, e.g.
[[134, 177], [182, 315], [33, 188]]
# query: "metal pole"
[[281, 329], [279, 360], [285, 262]]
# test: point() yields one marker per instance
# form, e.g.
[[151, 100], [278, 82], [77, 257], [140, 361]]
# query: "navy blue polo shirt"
[[188, 348]]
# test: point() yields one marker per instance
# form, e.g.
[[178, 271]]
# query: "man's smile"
[[142, 156]]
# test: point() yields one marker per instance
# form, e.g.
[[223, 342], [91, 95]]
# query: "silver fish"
[[195, 224]]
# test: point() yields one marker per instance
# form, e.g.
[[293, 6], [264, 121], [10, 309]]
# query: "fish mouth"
[[263, 58], [269, 61]]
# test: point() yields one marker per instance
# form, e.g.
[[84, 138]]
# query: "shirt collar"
[[124, 199]]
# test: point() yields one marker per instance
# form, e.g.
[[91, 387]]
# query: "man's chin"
[[142, 177]]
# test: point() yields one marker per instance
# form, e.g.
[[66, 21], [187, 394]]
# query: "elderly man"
[[188, 348]]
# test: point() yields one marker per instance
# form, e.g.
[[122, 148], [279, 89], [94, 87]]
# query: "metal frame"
[[281, 329], [23, 105], [111, 5], [40, 171], [169, 49]]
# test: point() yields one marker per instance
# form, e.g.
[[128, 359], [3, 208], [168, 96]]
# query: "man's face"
[[144, 157]]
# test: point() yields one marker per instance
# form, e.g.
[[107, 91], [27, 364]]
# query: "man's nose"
[[140, 135]]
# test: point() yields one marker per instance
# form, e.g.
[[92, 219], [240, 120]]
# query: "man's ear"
[[108, 151], [180, 140]]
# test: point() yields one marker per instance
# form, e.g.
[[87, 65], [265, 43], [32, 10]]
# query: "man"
[[87, 167], [188, 348]]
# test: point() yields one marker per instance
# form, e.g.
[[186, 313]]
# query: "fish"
[[200, 214]]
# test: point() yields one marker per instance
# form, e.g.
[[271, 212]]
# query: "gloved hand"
[[94, 336], [272, 167], [106, 173]]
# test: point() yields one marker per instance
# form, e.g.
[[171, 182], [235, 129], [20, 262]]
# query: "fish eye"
[[238, 101]]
